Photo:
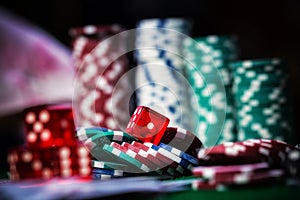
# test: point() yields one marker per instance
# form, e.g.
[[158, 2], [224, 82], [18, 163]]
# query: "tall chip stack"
[[160, 81], [209, 74], [100, 65], [263, 106]]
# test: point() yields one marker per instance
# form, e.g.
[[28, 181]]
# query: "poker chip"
[[210, 78], [293, 163], [97, 176], [138, 156], [180, 153], [93, 30], [85, 133], [170, 155], [94, 138], [160, 80], [183, 140], [246, 152], [93, 133], [112, 172], [147, 155], [107, 165], [250, 178], [134, 165], [212, 171], [162, 169], [261, 95], [168, 163], [203, 185]]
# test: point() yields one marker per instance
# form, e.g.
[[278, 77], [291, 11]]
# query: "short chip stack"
[[160, 83], [249, 162], [262, 100], [208, 72], [117, 154], [100, 65]]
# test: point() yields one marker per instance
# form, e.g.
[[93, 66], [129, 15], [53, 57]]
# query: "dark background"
[[264, 28]]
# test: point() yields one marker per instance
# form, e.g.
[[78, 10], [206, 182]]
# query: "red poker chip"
[[212, 171], [248, 177], [90, 30], [204, 185], [249, 151]]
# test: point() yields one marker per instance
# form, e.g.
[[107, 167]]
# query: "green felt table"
[[262, 192]]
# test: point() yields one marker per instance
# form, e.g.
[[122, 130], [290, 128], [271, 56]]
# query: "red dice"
[[49, 125], [147, 125], [45, 163]]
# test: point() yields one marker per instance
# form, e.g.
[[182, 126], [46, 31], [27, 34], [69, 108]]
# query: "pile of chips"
[[119, 154], [210, 77], [263, 106], [160, 83], [249, 162], [181, 154]]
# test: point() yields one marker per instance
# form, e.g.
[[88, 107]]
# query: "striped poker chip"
[[180, 154], [98, 132], [137, 156], [133, 164], [249, 151], [168, 164], [84, 133], [269, 175], [147, 155], [107, 165], [98, 176], [292, 165], [162, 169], [90, 30], [183, 140], [108, 172], [210, 172], [204, 185], [175, 158]]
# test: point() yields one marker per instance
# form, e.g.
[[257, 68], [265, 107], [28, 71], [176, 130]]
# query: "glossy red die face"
[[147, 125], [49, 125]]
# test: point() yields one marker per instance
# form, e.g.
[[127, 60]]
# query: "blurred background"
[[264, 28]]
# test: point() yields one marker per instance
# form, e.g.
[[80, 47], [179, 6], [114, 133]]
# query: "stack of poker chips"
[[210, 77], [118, 154], [160, 83], [263, 106], [249, 162], [99, 90]]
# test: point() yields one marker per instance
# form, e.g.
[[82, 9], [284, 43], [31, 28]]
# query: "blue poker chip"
[[107, 171], [97, 176], [182, 162], [179, 153]]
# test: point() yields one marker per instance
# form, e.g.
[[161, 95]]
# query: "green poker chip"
[[133, 165]]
